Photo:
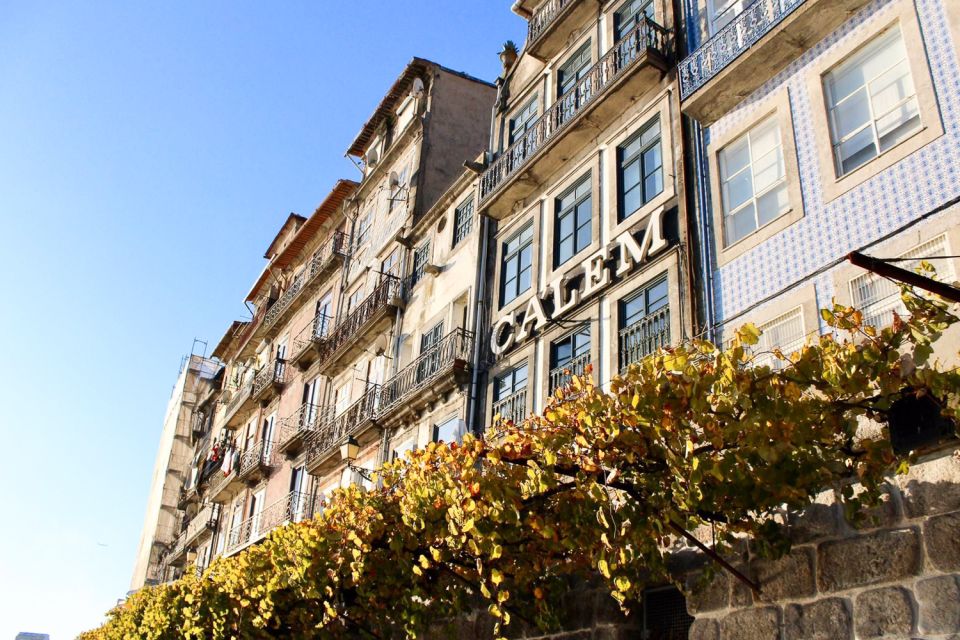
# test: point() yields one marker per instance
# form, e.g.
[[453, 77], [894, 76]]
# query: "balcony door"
[[269, 432], [297, 508], [250, 438], [430, 357], [281, 358], [256, 513], [323, 316], [311, 395]]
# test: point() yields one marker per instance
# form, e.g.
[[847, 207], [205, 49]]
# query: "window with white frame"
[[629, 15], [785, 333], [639, 169], [879, 298], [462, 220], [523, 120], [391, 264], [510, 393], [722, 12], [450, 430], [363, 228], [753, 181], [871, 102], [355, 298]]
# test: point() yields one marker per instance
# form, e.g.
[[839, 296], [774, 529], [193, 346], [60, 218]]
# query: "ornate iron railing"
[[240, 395], [424, 371], [307, 419], [205, 519], [284, 301], [330, 434], [388, 289], [271, 373], [513, 407], [562, 375], [262, 455], [631, 48], [644, 336], [294, 507], [313, 334], [337, 245], [544, 17], [744, 31]]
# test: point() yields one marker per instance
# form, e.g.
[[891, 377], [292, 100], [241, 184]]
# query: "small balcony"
[[513, 407], [551, 25], [268, 381], [356, 332], [563, 375], [296, 428], [223, 487], [278, 311], [188, 496], [238, 405], [438, 370], [354, 421], [204, 522], [294, 507], [751, 49], [258, 461], [643, 337], [633, 66], [308, 343]]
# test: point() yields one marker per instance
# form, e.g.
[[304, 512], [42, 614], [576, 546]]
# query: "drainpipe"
[[474, 412]]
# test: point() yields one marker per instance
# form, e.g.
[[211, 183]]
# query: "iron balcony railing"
[[513, 407], [563, 374], [240, 395], [271, 373], [422, 372], [308, 418], [262, 455], [643, 337], [284, 301], [206, 519], [313, 334], [645, 36], [544, 17], [294, 507], [744, 31], [329, 435], [388, 289], [337, 246]]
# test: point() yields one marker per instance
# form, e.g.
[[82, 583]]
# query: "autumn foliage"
[[604, 482]]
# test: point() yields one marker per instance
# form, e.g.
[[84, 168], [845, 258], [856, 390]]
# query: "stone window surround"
[[525, 354], [610, 7], [666, 263], [803, 296], [903, 15], [779, 107], [586, 315], [533, 213], [588, 37], [545, 248]]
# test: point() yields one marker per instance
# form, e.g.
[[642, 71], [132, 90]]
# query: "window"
[[399, 451], [430, 358], [398, 193], [640, 169], [355, 299], [573, 220], [724, 11], [573, 70], [523, 120], [785, 333], [644, 322], [753, 182], [510, 394], [629, 15], [420, 258], [391, 264], [871, 102], [342, 398], [450, 430], [878, 298], [463, 221], [363, 228], [570, 353], [516, 266]]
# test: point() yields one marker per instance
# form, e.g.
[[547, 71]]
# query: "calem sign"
[[560, 297]]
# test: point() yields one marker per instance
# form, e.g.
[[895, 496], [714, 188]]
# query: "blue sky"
[[148, 153]]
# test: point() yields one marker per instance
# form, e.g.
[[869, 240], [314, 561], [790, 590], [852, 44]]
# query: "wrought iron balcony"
[[513, 407], [437, 370], [562, 375], [645, 46], [258, 461], [332, 253], [205, 520], [283, 303], [294, 507], [551, 25], [238, 401], [224, 486], [756, 45], [307, 419], [307, 343], [269, 380], [644, 336], [325, 440], [353, 332]]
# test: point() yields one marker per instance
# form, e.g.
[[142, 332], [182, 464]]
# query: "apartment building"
[[588, 248], [162, 523], [821, 127]]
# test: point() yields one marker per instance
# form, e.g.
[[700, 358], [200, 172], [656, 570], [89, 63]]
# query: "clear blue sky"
[[148, 153]]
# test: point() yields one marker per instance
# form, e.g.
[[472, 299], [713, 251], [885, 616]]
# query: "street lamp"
[[349, 450]]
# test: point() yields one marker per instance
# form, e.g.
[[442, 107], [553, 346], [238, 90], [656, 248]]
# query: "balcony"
[[224, 487], [353, 334], [268, 381], [643, 337], [438, 370], [632, 67], [307, 343], [354, 421], [563, 375], [295, 428], [294, 507], [238, 405], [552, 24], [258, 461], [278, 311], [204, 521], [512, 407], [756, 45]]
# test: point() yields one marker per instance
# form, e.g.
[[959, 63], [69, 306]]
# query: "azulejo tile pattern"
[[828, 231]]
